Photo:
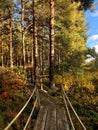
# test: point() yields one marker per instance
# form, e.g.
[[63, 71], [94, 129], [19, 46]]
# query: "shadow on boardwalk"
[[51, 116]]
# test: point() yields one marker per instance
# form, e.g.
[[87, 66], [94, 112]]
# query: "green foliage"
[[70, 53], [67, 79], [70, 36], [91, 52], [82, 89], [13, 95], [10, 81], [86, 4], [20, 72]]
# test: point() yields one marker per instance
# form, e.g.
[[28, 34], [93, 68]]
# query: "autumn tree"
[[70, 35], [85, 4], [7, 9]]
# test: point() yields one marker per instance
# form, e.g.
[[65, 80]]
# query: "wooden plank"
[[41, 119], [51, 119], [51, 116], [62, 123], [46, 97]]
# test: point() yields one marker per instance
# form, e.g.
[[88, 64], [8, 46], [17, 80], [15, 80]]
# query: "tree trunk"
[[11, 44], [2, 58], [51, 72], [42, 63], [35, 45], [23, 33]]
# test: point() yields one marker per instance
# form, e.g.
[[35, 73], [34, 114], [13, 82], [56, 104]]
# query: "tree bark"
[[51, 71], [2, 58], [11, 44], [42, 63], [23, 32], [35, 45]]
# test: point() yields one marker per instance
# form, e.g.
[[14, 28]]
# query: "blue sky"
[[92, 19]]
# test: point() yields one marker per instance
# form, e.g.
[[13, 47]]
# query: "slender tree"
[[2, 58], [23, 31], [51, 72], [7, 14], [11, 42], [35, 45]]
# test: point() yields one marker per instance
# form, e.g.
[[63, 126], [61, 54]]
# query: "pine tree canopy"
[[85, 4]]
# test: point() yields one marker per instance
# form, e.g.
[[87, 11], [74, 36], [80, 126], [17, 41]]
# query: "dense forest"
[[46, 38]]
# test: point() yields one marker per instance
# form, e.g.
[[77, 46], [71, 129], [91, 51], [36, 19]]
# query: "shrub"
[[10, 81]]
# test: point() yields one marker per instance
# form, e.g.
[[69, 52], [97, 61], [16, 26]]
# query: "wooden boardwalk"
[[51, 115]]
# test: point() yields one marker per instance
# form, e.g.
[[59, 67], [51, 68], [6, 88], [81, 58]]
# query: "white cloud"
[[93, 38], [95, 13], [96, 48], [89, 59]]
